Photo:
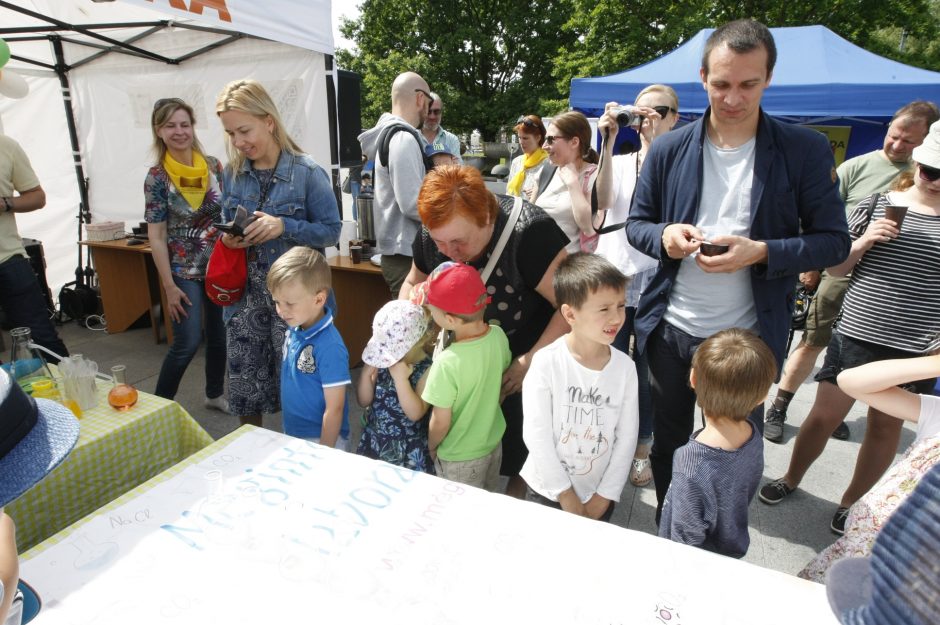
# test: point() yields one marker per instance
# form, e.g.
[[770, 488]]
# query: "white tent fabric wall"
[[37, 122], [113, 98]]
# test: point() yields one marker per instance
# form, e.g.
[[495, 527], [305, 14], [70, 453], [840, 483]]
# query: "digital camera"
[[627, 116]]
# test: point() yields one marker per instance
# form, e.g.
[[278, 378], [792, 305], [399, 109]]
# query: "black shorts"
[[844, 352]]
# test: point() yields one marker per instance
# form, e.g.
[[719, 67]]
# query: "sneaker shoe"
[[217, 403], [774, 492], [838, 521], [841, 433], [773, 424]]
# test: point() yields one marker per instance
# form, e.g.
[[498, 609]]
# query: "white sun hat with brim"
[[928, 152], [35, 437]]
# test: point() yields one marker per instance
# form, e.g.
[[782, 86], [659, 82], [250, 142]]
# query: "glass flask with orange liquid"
[[123, 396]]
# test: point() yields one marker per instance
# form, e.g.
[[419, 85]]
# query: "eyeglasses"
[[525, 121], [434, 111], [550, 139], [428, 96], [664, 110], [165, 101], [930, 174]]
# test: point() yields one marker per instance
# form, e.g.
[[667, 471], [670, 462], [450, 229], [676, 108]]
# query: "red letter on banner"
[[218, 5]]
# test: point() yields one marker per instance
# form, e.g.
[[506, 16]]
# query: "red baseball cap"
[[453, 287]]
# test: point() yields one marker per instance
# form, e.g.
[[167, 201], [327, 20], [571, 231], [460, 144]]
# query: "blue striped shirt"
[[706, 505]]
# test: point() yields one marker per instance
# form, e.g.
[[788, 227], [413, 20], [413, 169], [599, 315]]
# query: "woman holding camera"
[[527, 168], [655, 112], [566, 199], [183, 199]]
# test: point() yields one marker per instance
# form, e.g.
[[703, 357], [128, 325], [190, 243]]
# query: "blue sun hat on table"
[[35, 437]]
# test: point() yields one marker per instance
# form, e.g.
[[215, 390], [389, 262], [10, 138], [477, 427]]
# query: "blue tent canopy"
[[819, 78]]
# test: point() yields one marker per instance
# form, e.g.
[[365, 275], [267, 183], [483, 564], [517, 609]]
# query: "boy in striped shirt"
[[715, 474]]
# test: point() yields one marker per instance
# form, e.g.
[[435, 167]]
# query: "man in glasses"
[[859, 177], [439, 139], [763, 192], [397, 147]]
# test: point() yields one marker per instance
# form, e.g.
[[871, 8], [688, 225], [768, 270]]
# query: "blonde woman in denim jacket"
[[292, 199]]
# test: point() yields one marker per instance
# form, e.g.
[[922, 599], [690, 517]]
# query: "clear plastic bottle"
[[123, 396], [27, 364]]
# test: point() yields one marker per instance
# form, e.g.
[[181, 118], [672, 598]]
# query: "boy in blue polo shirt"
[[315, 369]]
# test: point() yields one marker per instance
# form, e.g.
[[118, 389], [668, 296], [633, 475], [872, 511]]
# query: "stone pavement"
[[783, 537]]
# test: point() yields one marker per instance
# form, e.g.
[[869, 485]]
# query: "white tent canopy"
[[112, 95]]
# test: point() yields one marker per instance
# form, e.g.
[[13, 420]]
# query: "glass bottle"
[[27, 364], [123, 396]]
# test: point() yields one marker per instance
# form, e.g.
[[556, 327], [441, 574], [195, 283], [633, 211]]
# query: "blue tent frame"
[[820, 78]]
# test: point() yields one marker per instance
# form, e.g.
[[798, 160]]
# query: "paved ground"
[[783, 537]]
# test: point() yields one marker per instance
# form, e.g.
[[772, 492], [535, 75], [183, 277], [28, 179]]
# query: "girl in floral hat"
[[395, 427]]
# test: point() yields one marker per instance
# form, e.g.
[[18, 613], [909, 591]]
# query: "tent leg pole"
[[334, 130], [84, 214]]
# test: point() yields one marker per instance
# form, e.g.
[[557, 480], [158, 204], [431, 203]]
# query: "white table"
[[263, 528]]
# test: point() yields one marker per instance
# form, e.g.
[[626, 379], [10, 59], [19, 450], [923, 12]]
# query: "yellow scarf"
[[191, 182], [531, 160]]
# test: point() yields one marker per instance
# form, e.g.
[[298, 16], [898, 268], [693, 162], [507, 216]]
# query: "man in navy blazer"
[[737, 178]]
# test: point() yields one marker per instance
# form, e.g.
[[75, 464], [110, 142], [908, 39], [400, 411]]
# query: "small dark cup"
[[136, 230], [712, 249], [895, 213], [355, 253]]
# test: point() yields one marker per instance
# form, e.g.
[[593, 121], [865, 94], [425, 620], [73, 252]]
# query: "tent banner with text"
[[302, 23]]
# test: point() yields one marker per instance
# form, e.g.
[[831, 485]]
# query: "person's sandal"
[[641, 473]]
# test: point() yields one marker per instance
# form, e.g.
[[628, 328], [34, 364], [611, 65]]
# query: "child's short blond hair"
[[303, 264], [733, 371]]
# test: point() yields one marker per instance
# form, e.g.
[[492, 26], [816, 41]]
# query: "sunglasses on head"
[[664, 110], [525, 121], [930, 174], [165, 101], [550, 139], [428, 96]]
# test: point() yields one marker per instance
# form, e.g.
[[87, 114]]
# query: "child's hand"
[[570, 503], [401, 369], [596, 506]]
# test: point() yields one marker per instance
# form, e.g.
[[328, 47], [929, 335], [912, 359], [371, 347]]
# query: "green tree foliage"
[[491, 60]]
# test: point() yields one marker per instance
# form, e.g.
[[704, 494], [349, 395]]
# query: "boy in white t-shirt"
[[579, 397]]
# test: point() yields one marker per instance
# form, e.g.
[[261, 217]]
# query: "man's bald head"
[[410, 98]]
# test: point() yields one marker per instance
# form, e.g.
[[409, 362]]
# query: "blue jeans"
[[25, 306], [622, 342], [187, 335]]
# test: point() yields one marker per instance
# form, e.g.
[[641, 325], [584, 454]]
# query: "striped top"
[[706, 504], [894, 294]]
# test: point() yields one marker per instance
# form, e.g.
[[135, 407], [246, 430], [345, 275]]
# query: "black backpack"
[[385, 139]]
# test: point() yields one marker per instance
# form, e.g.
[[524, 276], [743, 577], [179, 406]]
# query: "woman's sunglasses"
[[550, 139], [525, 121], [664, 110], [930, 174], [165, 101]]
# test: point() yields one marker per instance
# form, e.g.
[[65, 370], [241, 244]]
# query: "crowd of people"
[[563, 333]]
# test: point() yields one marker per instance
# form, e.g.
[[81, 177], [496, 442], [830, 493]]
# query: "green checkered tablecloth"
[[116, 451]]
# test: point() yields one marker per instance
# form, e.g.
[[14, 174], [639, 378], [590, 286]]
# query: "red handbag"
[[226, 274]]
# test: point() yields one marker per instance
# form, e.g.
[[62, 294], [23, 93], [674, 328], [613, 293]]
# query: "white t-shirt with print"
[[580, 424]]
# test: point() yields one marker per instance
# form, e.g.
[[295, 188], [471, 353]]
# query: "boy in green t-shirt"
[[463, 384]]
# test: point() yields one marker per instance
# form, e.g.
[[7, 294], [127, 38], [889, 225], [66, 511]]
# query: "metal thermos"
[[366, 223]]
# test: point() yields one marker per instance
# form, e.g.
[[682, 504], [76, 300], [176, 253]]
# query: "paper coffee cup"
[[895, 213]]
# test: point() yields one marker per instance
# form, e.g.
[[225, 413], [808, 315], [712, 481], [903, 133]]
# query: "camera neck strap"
[[602, 162]]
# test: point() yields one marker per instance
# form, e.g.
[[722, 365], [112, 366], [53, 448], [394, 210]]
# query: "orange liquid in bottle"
[[122, 397]]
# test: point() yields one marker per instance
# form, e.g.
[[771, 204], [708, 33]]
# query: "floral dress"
[[389, 434]]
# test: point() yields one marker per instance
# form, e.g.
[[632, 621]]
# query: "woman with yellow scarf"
[[183, 193], [525, 169]]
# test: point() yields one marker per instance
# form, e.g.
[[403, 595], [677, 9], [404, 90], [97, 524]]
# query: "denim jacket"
[[300, 194]]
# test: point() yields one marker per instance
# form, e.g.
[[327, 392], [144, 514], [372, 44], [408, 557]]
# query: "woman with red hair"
[[463, 222]]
